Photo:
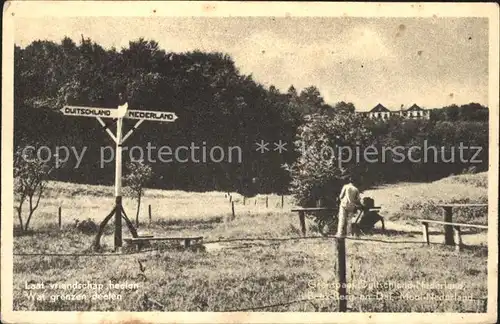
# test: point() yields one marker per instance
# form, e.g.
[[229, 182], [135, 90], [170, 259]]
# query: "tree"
[[473, 112], [138, 175], [344, 107], [319, 170], [311, 100], [292, 92], [451, 112], [30, 181]]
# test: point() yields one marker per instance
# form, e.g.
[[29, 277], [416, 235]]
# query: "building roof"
[[379, 108], [414, 108]]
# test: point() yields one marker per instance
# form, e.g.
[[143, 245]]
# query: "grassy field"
[[391, 272], [410, 201]]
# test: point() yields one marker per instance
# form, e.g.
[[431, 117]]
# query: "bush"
[[319, 171], [87, 226], [477, 180]]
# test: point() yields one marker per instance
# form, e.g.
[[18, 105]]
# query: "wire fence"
[[148, 303], [265, 307], [249, 239]]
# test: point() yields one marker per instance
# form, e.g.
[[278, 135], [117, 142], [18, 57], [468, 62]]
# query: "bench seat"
[[143, 239]]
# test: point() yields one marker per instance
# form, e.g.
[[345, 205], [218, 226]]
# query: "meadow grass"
[[237, 275], [259, 275], [403, 201], [80, 202]]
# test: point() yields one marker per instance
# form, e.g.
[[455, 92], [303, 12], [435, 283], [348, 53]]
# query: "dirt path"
[[395, 231]]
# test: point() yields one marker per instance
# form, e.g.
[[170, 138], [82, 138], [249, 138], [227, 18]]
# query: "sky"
[[432, 62]]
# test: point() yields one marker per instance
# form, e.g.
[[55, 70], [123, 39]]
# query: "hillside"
[[409, 201]]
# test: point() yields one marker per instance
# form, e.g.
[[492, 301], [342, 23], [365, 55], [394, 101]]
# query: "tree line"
[[216, 105]]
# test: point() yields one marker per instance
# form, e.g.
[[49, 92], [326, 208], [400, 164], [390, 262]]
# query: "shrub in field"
[[87, 226], [30, 180], [477, 180], [320, 169], [431, 210], [136, 178]]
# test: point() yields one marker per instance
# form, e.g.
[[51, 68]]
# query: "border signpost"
[[119, 139]]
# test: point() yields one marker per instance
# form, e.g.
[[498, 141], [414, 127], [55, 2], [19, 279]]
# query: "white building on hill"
[[414, 112]]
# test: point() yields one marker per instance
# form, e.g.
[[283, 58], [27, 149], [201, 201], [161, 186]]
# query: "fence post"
[[341, 273], [149, 213], [448, 229], [458, 238], [244, 200], [230, 198], [267, 201], [59, 216], [425, 232], [302, 220], [341, 260], [232, 210], [282, 201]]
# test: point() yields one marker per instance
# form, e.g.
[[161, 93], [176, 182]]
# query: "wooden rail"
[[453, 224], [455, 227], [462, 205], [448, 217], [302, 214]]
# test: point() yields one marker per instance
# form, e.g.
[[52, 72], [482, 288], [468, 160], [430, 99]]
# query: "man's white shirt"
[[349, 197]]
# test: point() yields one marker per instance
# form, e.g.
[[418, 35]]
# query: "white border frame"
[[220, 9]]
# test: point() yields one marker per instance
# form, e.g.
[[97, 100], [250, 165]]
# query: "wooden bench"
[[138, 241], [456, 230], [302, 214]]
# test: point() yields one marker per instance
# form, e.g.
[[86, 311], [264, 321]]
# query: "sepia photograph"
[[231, 162]]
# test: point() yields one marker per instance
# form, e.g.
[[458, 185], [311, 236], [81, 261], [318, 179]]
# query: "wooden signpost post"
[[118, 114]]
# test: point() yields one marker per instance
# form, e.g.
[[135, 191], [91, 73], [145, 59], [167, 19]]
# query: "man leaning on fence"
[[349, 202]]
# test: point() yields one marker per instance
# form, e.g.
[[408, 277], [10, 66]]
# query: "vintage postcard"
[[249, 162]]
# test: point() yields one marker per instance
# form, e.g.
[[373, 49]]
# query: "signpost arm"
[[132, 130], [106, 127]]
